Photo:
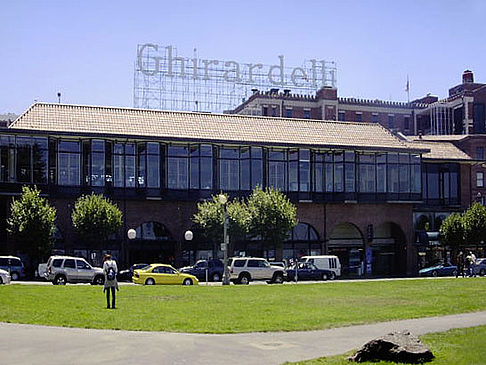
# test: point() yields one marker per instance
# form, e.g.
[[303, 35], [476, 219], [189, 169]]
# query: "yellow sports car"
[[162, 274]]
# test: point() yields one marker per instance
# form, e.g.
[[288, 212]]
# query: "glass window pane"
[[304, 175], [206, 150], [293, 176], [153, 170], [130, 171], [118, 171], [98, 169], [153, 148], [393, 183], [338, 177], [206, 173], [194, 172], [130, 149], [256, 173], [318, 177], [256, 152], [245, 174], [98, 145], [350, 178], [381, 178], [176, 150], [177, 173], [68, 146], [404, 179], [118, 148]]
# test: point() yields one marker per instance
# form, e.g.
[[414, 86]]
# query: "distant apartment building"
[[462, 112]]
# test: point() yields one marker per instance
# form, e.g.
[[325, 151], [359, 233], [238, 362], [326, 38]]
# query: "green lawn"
[[465, 346], [217, 309]]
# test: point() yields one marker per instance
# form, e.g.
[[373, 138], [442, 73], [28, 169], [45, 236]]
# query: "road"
[[29, 344]]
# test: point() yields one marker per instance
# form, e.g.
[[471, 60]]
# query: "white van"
[[325, 262]]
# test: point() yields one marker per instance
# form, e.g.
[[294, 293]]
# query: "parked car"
[[42, 270], [14, 266], [245, 269], [325, 262], [480, 267], [214, 268], [162, 274], [126, 275], [278, 263], [308, 271], [4, 277], [439, 270], [67, 269]]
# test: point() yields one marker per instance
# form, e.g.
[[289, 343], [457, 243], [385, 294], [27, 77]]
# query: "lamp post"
[[224, 246], [131, 234]]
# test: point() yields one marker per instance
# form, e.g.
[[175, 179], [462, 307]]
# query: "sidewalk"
[[29, 344]]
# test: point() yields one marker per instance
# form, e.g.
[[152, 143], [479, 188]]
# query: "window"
[[406, 123], [288, 113], [277, 169], [229, 168], [374, 118], [124, 165], [366, 173], [338, 172], [153, 165], [393, 173], [201, 167], [82, 265], [307, 114], [480, 153], [391, 123], [69, 163], [7, 158], [350, 178], [97, 163], [479, 179], [359, 117], [265, 111], [69, 263], [274, 111], [341, 116], [177, 167]]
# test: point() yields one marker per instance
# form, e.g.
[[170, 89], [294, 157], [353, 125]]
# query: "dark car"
[[439, 270], [215, 270], [308, 271], [126, 275]]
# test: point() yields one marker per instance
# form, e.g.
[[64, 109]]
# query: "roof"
[[445, 137], [439, 150], [176, 125]]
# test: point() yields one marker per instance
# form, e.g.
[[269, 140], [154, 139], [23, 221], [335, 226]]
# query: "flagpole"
[[408, 90]]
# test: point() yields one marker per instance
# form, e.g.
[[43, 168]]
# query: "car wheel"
[[454, 273], [435, 273], [15, 276], [324, 277], [244, 279], [216, 277], [99, 280], [150, 281], [332, 276], [278, 278], [59, 280], [187, 282], [482, 272]]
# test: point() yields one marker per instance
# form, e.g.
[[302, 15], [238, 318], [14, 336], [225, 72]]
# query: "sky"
[[87, 49]]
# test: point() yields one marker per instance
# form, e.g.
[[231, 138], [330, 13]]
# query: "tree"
[[452, 230], [95, 218], [210, 217], [475, 224], [272, 216], [31, 223]]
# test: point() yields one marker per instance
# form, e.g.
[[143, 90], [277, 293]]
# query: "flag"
[[407, 86]]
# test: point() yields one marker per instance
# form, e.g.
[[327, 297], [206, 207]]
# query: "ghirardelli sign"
[[154, 60]]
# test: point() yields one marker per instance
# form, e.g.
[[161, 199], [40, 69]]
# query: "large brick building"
[[462, 112], [359, 189]]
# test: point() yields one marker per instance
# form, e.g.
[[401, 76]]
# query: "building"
[[357, 187], [462, 112]]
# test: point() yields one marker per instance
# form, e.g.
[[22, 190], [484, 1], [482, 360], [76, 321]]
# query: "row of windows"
[[374, 119], [205, 167]]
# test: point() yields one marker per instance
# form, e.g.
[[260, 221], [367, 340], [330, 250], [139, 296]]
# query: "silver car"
[[480, 267], [66, 269], [4, 277]]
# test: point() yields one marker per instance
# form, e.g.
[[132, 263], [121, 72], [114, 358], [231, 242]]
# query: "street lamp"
[[188, 236], [224, 246], [131, 234]]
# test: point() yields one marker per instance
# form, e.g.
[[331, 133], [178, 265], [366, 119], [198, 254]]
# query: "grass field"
[[217, 309], [465, 346]]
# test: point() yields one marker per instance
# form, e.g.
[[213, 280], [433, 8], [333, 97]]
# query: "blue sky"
[[87, 49]]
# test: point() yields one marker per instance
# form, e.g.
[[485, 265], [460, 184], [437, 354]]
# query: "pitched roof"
[[439, 150], [79, 119]]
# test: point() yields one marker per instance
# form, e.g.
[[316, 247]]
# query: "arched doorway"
[[388, 250], [152, 244], [346, 242], [303, 240]]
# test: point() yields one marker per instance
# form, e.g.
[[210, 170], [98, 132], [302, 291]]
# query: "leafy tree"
[[475, 224], [452, 230], [95, 218], [272, 216], [210, 217], [31, 223]]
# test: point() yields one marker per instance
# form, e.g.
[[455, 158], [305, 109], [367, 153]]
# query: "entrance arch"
[[152, 244], [346, 241], [389, 250], [303, 240]]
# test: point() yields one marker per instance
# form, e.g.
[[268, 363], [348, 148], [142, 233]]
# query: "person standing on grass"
[[110, 270], [460, 264]]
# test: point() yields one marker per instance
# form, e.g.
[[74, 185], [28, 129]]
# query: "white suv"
[[66, 269], [245, 269]]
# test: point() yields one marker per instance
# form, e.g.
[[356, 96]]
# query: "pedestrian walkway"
[[29, 344]]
